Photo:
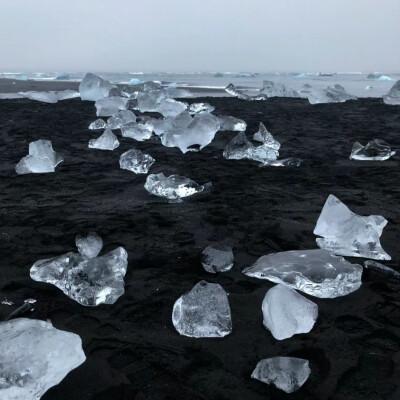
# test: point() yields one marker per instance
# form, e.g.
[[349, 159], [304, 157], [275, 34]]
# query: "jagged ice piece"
[[217, 258], [135, 161]]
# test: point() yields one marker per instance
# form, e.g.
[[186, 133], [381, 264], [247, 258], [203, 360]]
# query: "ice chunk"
[[150, 101], [375, 150], [135, 161], [317, 272], [89, 246], [197, 108], [89, 281], [67, 94], [229, 123], [107, 141], [284, 162], [173, 187], [332, 94], [120, 119], [94, 88], [200, 131], [393, 96], [217, 258], [171, 107], [266, 137], [286, 373], [276, 89], [348, 234], [203, 312], [375, 266], [35, 356], [135, 81], [41, 159], [171, 124], [108, 106], [385, 78], [137, 131], [98, 124], [45, 97], [232, 90], [369, 87], [287, 313]]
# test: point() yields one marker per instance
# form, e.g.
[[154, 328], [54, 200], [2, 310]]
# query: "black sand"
[[133, 351]]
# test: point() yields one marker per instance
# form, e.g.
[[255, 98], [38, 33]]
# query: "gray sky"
[[200, 35]]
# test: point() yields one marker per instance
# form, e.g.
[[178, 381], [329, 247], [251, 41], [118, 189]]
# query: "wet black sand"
[[132, 349]]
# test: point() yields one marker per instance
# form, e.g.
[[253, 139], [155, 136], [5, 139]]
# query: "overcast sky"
[[200, 35]]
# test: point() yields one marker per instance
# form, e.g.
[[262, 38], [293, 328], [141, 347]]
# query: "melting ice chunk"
[[35, 356], [118, 120], [217, 258], [286, 373], [89, 281], [107, 141], [98, 124], [287, 313], [135, 161], [171, 107], [238, 148], [203, 312], [332, 94], [375, 266], [316, 272], [276, 89], [89, 246], [110, 105], [232, 90], [375, 150], [41, 159], [45, 97], [137, 131], [173, 187], [266, 137], [348, 234], [229, 123], [393, 96], [197, 108], [67, 94], [94, 88]]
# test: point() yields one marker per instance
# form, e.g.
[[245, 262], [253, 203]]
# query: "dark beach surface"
[[132, 348]]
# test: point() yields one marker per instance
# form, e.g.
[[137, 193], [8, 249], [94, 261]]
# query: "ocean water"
[[355, 82]]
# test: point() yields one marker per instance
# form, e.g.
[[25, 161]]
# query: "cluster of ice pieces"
[[348, 234], [41, 159], [134, 160], [375, 150], [203, 312], [86, 277], [35, 356], [217, 258], [393, 96], [173, 187]]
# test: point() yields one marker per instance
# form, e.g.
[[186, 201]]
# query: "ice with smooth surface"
[[89, 281], [375, 266], [287, 313], [375, 150], [35, 356], [276, 89], [348, 234], [317, 272], [41, 159], [173, 187], [120, 119], [107, 141], [217, 257], [67, 94], [332, 94], [229, 123], [197, 108], [203, 312], [286, 373], [171, 107], [393, 96], [45, 97], [264, 136], [134, 160], [93, 87], [109, 106], [89, 246], [149, 101], [137, 131], [98, 124]]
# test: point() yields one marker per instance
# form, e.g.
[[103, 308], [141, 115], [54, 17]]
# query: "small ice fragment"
[[107, 141], [381, 268], [35, 356], [6, 302], [120, 119], [93, 87], [375, 150], [287, 313], [368, 87], [135, 161], [217, 258], [348, 234], [393, 96], [316, 272], [89, 281], [30, 301], [89, 246], [108, 106], [286, 373], [137, 131], [197, 108], [266, 137], [173, 187], [229, 123], [232, 90], [98, 124], [203, 312]]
